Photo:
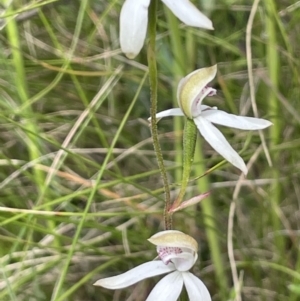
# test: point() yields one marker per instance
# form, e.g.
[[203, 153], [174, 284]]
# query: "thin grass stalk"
[[77, 84], [32, 141], [66, 63], [273, 64], [209, 221], [151, 55], [57, 292]]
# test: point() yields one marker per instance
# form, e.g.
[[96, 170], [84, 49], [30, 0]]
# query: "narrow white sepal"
[[186, 12], [143, 271], [219, 143], [168, 288], [167, 113], [170, 112], [195, 288], [133, 26], [234, 121]]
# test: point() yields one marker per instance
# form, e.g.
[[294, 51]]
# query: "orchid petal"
[[168, 288], [174, 238], [186, 12], [185, 260], [195, 288], [193, 88], [143, 271], [238, 122], [133, 26], [167, 113], [219, 143], [205, 107]]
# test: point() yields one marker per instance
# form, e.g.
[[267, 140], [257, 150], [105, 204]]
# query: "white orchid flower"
[[191, 91], [178, 253], [134, 21]]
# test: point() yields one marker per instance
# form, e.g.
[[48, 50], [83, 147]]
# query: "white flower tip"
[[269, 123], [208, 25], [188, 13], [204, 23], [98, 283], [133, 26], [239, 163], [150, 120], [174, 238], [131, 55], [245, 170]]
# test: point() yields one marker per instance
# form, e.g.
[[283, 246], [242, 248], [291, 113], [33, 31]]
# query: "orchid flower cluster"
[[177, 251], [192, 89]]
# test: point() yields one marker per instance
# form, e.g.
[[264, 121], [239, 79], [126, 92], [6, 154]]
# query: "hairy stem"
[[153, 87]]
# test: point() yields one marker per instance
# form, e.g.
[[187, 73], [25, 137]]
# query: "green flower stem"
[[275, 130], [211, 227], [153, 87], [180, 67], [189, 144]]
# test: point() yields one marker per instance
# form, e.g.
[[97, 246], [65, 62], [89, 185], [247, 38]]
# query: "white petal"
[[133, 26], [167, 113], [234, 121], [185, 260], [219, 143], [195, 288], [186, 12], [205, 107], [168, 288], [143, 271], [170, 112]]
